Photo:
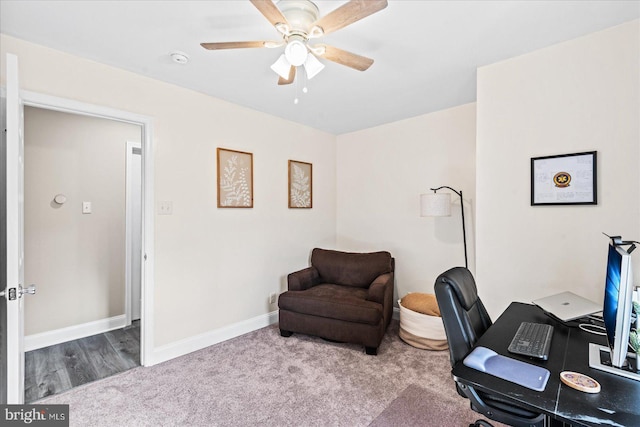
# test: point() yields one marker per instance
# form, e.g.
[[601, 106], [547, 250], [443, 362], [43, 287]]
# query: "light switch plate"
[[86, 207]]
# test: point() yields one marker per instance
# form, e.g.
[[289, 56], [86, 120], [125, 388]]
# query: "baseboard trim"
[[198, 342], [165, 352], [70, 333]]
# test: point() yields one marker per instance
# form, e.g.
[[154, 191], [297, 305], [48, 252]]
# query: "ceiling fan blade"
[[289, 80], [343, 57], [233, 45], [270, 11], [349, 13]]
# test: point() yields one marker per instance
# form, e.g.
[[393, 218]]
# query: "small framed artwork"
[[300, 185], [235, 179], [566, 179]]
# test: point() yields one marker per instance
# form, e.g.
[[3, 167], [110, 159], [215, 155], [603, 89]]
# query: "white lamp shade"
[[312, 66], [282, 67], [296, 52], [435, 204]]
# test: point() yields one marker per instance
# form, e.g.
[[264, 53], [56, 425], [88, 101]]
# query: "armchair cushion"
[[335, 302], [350, 269]]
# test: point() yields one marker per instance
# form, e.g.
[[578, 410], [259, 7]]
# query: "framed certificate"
[[566, 179]]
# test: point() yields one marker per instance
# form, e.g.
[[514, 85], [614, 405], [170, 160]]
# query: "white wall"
[[381, 173], [577, 96], [77, 260], [214, 267]]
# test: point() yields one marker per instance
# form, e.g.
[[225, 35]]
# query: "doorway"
[[80, 236], [14, 349]]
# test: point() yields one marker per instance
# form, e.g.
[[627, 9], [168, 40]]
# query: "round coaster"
[[580, 382]]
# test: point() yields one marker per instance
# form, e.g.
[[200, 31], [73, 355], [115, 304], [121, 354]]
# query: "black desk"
[[617, 404]]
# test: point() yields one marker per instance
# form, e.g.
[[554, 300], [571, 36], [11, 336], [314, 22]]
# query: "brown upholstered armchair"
[[343, 296]]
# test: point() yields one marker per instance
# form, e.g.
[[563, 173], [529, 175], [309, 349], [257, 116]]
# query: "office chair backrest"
[[465, 317]]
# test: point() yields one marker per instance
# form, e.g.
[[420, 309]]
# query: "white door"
[[134, 230], [14, 291]]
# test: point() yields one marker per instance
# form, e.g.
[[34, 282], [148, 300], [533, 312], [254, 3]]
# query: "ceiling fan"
[[298, 21]]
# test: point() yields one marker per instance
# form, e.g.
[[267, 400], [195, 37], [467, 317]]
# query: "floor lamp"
[[440, 205]]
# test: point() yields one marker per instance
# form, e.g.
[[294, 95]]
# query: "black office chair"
[[465, 320]]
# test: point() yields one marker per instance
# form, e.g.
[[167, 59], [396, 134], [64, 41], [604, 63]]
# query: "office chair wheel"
[[481, 423]]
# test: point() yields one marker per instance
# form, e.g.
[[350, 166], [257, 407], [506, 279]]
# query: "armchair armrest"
[[303, 279], [379, 289]]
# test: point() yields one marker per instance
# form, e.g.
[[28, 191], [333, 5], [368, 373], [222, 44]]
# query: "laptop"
[[568, 306]]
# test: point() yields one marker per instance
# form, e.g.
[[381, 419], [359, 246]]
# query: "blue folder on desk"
[[515, 371]]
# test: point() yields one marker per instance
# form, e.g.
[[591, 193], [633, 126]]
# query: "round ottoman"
[[420, 322]]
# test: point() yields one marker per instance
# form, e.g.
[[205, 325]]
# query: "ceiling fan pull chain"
[[305, 80], [295, 88]]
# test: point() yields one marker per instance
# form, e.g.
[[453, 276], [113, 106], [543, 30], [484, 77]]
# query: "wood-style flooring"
[[60, 367]]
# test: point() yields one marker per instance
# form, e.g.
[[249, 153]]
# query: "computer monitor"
[[617, 309]]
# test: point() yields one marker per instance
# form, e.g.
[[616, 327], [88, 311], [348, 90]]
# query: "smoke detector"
[[179, 57]]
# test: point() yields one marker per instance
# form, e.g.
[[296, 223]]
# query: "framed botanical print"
[[235, 179], [300, 185]]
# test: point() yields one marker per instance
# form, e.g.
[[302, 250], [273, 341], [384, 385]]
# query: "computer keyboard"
[[533, 340]]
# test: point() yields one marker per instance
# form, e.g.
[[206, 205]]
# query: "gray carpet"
[[263, 379], [417, 406]]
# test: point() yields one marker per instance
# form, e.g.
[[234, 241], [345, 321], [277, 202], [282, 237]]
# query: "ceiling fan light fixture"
[[299, 21], [312, 66], [300, 14], [296, 52], [282, 67]]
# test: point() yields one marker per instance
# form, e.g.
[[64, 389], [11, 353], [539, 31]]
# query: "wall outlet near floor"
[[165, 208], [272, 298]]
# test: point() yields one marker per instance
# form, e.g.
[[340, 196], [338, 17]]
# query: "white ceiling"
[[426, 52]]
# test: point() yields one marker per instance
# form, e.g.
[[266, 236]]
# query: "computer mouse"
[[478, 357]]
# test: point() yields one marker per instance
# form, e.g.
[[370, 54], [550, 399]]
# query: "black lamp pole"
[[464, 233]]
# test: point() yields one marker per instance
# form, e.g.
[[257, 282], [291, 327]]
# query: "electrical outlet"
[[165, 208], [272, 298]]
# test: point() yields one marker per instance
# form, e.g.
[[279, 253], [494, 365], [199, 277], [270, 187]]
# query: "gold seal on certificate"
[[562, 179]]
